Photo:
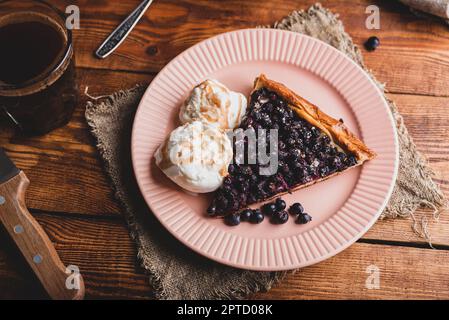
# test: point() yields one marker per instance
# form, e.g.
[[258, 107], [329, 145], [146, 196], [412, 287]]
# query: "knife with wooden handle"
[[30, 238]]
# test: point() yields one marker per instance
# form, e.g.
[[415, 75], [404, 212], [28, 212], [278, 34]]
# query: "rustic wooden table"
[[71, 197]]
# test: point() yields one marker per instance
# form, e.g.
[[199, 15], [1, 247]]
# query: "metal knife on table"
[[29, 236], [119, 35]]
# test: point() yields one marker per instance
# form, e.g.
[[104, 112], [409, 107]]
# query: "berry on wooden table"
[[372, 43]]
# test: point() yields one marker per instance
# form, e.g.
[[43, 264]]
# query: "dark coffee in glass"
[[38, 90]]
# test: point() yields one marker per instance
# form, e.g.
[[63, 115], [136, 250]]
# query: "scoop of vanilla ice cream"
[[211, 101], [196, 156]]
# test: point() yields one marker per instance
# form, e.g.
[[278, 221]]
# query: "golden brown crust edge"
[[336, 129]]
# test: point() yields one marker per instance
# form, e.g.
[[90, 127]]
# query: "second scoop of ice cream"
[[214, 103]]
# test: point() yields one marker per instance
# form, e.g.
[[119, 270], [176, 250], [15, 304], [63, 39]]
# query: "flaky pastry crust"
[[336, 129]]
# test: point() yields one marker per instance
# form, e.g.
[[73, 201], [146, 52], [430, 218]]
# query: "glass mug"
[[38, 89]]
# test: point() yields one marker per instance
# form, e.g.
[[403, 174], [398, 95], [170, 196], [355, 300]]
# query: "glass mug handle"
[[11, 117]]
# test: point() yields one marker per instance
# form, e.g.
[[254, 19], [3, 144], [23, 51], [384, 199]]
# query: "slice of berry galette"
[[311, 147]]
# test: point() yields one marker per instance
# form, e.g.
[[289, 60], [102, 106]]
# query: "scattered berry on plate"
[[246, 214], [296, 208], [257, 216], [304, 218], [232, 219], [280, 217], [280, 204], [269, 209], [211, 211], [372, 43]]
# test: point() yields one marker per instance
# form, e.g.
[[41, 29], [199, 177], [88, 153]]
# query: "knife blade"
[[31, 238], [8, 170]]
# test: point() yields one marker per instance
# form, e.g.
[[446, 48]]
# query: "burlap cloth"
[[175, 272], [429, 8]]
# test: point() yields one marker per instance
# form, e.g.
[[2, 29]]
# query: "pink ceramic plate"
[[343, 208]]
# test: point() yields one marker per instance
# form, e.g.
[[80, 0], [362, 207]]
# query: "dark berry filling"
[[305, 154]]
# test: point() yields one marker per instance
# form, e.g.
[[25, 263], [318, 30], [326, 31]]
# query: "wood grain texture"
[[404, 273], [417, 48], [33, 242], [64, 166], [100, 248], [107, 259]]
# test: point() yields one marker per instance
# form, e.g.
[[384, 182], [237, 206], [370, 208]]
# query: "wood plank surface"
[[416, 48], [102, 249], [63, 166], [107, 258], [404, 273], [428, 122]]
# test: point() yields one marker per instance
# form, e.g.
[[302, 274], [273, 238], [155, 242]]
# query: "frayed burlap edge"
[[122, 97], [430, 10], [247, 282]]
